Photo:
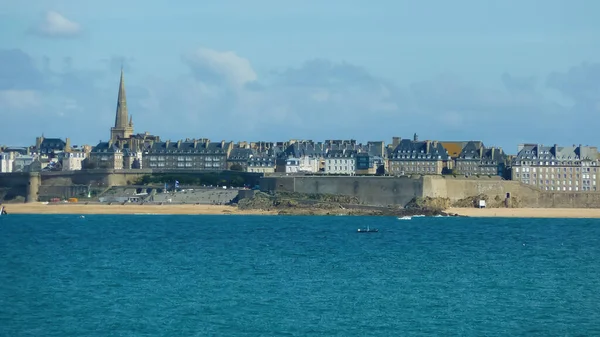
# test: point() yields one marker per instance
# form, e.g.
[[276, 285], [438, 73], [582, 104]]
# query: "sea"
[[234, 275]]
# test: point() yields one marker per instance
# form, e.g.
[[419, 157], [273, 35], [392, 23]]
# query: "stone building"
[[197, 154], [416, 157], [557, 168], [477, 159]]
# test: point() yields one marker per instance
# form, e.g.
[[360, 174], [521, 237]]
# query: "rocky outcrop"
[[327, 204]]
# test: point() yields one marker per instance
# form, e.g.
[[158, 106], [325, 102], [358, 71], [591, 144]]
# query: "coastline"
[[590, 213], [189, 209], [177, 209]]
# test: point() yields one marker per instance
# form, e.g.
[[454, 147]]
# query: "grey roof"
[[300, 149], [53, 143], [537, 152], [240, 154], [410, 150], [341, 154], [188, 147]]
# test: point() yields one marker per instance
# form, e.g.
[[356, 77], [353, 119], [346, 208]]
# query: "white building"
[[303, 164], [6, 162], [21, 162], [340, 162], [72, 161]]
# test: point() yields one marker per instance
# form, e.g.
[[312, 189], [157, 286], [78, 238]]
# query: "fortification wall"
[[22, 185], [377, 191], [519, 195], [93, 177]]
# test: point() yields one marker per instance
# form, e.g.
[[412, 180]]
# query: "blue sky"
[[504, 72]]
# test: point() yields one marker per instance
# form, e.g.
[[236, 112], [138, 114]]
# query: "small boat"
[[2, 210], [367, 230], [406, 217]]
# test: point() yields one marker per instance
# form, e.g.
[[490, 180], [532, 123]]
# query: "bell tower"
[[123, 128]]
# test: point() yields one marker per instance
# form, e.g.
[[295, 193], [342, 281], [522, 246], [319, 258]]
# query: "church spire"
[[121, 115], [123, 128]]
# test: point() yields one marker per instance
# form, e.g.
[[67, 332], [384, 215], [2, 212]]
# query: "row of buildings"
[[552, 168]]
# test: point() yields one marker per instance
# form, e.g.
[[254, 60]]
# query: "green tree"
[[236, 167]]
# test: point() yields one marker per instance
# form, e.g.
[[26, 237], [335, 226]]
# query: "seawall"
[[383, 191]]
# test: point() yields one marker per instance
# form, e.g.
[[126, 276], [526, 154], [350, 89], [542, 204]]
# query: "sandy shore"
[[39, 208], [528, 212]]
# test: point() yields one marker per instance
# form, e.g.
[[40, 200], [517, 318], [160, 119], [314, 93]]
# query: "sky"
[[504, 72]]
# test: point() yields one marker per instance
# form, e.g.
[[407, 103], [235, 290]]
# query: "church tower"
[[123, 128]]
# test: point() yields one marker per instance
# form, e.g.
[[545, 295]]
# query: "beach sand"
[[528, 212], [96, 208], [74, 208]]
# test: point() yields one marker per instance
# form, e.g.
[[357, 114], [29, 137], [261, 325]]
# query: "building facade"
[[417, 157], [477, 159], [554, 168], [340, 162]]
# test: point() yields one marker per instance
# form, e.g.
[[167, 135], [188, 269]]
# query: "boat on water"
[[406, 217], [367, 230], [2, 211]]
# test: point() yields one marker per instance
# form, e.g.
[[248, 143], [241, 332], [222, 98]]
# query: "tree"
[[236, 167], [88, 165]]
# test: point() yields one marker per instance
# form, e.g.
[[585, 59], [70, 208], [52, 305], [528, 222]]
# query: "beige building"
[[554, 168], [73, 160], [407, 156], [477, 159]]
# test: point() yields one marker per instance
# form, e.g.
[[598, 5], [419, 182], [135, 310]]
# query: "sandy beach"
[[528, 212], [40, 208], [62, 208]]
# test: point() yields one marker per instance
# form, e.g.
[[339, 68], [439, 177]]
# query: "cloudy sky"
[[505, 72]]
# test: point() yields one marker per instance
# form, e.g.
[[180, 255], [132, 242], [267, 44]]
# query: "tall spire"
[[123, 128], [121, 115]]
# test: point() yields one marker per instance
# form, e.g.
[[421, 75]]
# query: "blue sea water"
[[145, 275]]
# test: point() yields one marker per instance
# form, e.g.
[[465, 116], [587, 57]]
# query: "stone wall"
[[380, 191], [376, 191], [22, 185]]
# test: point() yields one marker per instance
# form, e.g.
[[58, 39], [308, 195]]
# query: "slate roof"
[[536, 152], [240, 154], [300, 149], [410, 150], [341, 154], [53, 144]]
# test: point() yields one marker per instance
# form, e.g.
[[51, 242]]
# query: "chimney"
[[493, 151], [67, 144], [195, 143], [167, 143], [222, 144], [415, 137], [481, 152], [179, 144], [427, 146]]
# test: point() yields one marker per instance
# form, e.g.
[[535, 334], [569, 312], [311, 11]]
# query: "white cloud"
[[212, 66], [56, 25], [19, 99]]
